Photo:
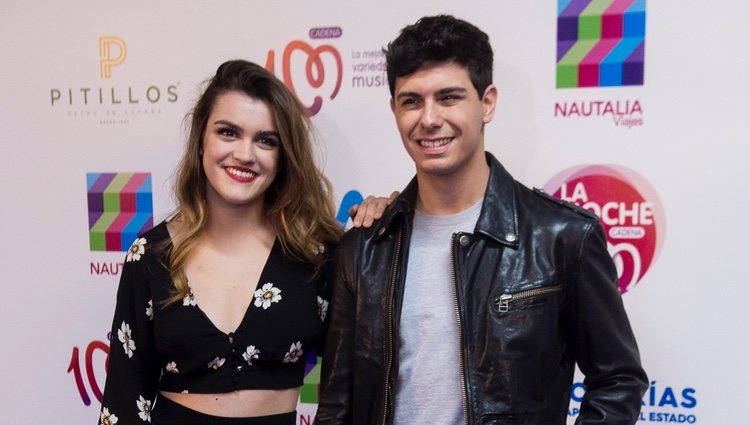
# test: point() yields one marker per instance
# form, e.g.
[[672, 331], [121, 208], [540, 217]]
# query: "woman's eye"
[[227, 132], [269, 142]]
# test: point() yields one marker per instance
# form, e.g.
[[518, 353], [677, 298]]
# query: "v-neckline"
[[249, 307]]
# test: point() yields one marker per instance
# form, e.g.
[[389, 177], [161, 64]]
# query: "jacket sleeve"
[[325, 294], [335, 404], [605, 347], [133, 371]]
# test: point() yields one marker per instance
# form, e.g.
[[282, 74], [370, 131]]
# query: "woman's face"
[[241, 148]]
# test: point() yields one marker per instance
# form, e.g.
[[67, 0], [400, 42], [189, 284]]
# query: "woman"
[[217, 307]]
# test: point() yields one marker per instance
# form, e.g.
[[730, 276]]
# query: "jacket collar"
[[498, 218]]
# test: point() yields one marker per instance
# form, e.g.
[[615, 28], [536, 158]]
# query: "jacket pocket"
[[504, 302]]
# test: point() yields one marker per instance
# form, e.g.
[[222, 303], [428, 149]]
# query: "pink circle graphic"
[[628, 209]]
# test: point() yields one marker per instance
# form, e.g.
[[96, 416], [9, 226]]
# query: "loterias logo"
[[112, 99], [601, 43], [120, 207], [629, 210], [661, 403], [316, 63]]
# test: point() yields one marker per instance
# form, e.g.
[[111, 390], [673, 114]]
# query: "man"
[[473, 298]]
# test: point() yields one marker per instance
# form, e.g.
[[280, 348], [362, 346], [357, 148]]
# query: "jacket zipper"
[[462, 365], [389, 320], [504, 300]]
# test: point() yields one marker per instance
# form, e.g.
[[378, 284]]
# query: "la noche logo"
[[629, 209]]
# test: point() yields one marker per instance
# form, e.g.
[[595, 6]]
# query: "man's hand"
[[371, 209]]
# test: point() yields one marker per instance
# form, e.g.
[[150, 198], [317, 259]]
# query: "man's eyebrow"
[[407, 94], [448, 90], [443, 91]]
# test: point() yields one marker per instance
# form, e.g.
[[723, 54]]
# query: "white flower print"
[[295, 352], [150, 310], [107, 418], [189, 300], [144, 407], [322, 308], [216, 363], [318, 249], [126, 337], [266, 295], [250, 354], [172, 367], [136, 250]]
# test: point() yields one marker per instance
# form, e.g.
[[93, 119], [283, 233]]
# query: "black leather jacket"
[[535, 293]]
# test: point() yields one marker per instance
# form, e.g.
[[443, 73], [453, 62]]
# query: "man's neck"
[[443, 195]]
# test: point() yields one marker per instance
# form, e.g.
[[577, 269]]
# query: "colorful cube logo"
[[310, 390], [120, 208], [600, 43]]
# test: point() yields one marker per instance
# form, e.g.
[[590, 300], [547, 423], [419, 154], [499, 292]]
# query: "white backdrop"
[[685, 160]]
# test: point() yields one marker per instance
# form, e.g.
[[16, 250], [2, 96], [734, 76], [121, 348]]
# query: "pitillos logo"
[[109, 57]]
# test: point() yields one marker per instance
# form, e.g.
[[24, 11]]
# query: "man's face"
[[441, 119]]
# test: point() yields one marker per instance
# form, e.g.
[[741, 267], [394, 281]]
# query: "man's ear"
[[393, 105], [489, 101]]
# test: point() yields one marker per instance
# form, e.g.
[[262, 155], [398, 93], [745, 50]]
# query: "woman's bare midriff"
[[238, 404]]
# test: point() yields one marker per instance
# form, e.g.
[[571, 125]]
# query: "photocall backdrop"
[[635, 110]]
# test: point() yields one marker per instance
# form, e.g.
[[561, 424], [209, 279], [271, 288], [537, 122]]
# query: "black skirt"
[[168, 412]]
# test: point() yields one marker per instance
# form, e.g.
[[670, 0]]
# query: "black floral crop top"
[[178, 349]]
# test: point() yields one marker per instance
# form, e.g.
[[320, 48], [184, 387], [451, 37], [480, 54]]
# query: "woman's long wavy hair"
[[298, 202]]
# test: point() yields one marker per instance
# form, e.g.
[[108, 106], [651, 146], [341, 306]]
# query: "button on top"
[[510, 237], [464, 240]]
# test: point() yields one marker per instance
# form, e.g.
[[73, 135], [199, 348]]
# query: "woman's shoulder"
[[149, 244], [157, 236]]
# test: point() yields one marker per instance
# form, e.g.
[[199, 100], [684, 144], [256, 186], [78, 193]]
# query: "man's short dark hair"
[[435, 40]]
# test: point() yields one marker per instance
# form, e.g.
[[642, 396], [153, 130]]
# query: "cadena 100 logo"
[[316, 61], [89, 362], [629, 210]]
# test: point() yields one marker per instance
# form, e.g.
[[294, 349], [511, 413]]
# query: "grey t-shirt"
[[428, 390]]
